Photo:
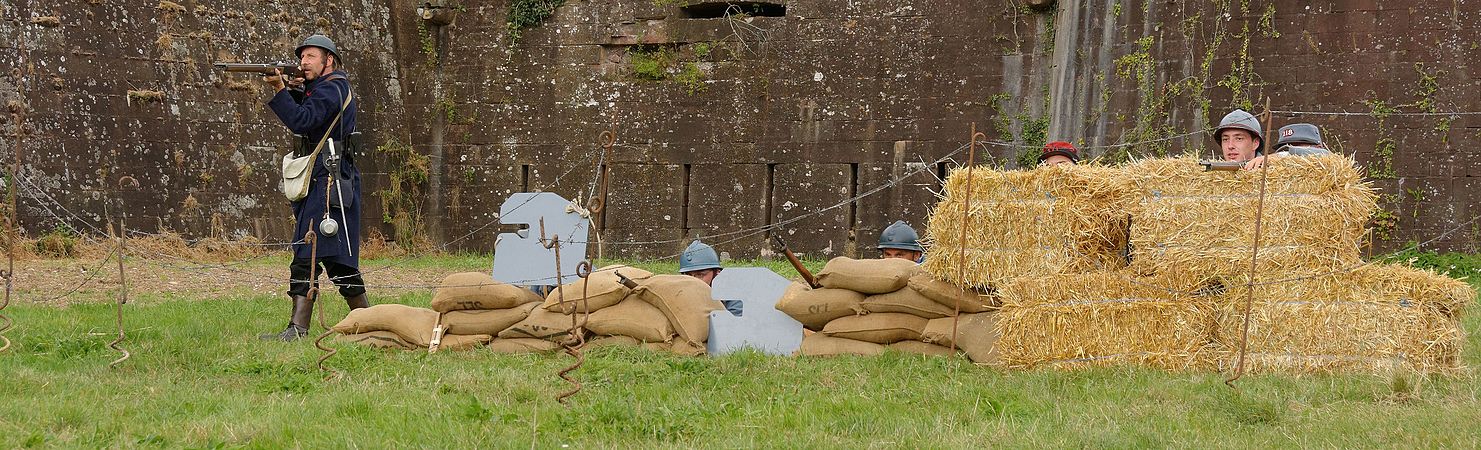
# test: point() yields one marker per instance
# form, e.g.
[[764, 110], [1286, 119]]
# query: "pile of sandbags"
[[662, 312], [866, 306]]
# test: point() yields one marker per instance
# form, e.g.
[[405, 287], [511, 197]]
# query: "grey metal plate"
[[760, 326], [520, 259]]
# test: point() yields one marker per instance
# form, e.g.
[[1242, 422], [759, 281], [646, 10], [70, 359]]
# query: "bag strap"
[[325, 137]]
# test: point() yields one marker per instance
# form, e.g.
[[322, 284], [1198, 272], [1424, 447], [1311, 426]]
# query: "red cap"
[[1063, 148]]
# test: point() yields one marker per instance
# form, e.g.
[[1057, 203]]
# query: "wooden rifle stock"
[[796, 263]]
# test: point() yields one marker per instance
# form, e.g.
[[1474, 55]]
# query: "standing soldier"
[[324, 115], [899, 240]]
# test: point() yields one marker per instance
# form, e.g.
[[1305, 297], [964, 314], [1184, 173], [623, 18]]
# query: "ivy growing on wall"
[[526, 14]]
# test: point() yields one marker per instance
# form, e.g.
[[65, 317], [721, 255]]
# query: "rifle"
[[289, 69], [1228, 166], [796, 263]]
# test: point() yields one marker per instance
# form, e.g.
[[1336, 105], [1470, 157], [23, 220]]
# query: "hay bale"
[[976, 335], [921, 348], [868, 276], [541, 324], [882, 328], [1100, 318], [1377, 318], [478, 290], [602, 288], [907, 301], [685, 301], [633, 318], [377, 339], [1049, 220], [816, 307], [1196, 223], [953, 296], [820, 344], [413, 325], [484, 321], [522, 345], [457, 343]]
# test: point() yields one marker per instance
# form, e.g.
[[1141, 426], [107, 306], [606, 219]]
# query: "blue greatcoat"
[[311, 117]]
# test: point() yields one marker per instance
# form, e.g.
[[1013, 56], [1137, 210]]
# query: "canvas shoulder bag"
[[298, 172]]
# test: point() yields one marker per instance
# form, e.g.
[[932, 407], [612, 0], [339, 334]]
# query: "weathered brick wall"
[[738, 123], [112, 89]]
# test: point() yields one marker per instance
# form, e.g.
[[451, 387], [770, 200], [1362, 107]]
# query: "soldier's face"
[[1238, 145], [898, 253], [707, 275], [312, 61], [1055, 160]]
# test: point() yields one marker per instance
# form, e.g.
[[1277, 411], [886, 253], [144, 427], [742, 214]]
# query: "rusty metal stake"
[[1249, 301], [576, 339], [961, 272], [578, 330], [123, 251], [13, 228]]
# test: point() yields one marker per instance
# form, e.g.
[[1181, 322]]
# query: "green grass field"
[[199, 378]]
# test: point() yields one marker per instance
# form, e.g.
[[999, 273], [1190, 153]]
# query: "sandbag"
[[657, 346], [977, 335], [603, 289], [634, 318], [907, 301], [882, 328], [478, 290], [484, 321], [684, 300], [816, 307], [377, 339], [455, 343], [921, 348], [413, 325], [685, 348], [950, 295], [869, 276], [541, 324], [522, 345], [613, 341], [820, 344]]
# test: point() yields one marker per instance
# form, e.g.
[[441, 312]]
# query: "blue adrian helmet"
[[698, 256], [899, 236]]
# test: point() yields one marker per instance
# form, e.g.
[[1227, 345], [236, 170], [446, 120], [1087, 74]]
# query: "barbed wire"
[[725, 238], [1377, 114]]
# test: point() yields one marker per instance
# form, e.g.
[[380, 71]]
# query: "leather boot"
[[358, 301], [298, 325]]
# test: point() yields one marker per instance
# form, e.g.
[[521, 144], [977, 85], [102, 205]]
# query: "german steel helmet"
[[698, 256], [1299, 134], [899, 236]]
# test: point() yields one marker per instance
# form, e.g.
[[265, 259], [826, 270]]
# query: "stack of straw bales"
[[1028, 223], [1099, 318], [1194, 225], [1179, 301], [1377, 317], [664, 312], [866, 306]]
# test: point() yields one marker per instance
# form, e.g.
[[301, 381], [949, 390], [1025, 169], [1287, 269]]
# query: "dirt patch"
[[168, 268]]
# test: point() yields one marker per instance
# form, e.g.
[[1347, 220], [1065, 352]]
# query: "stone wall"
[[722, 124]]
